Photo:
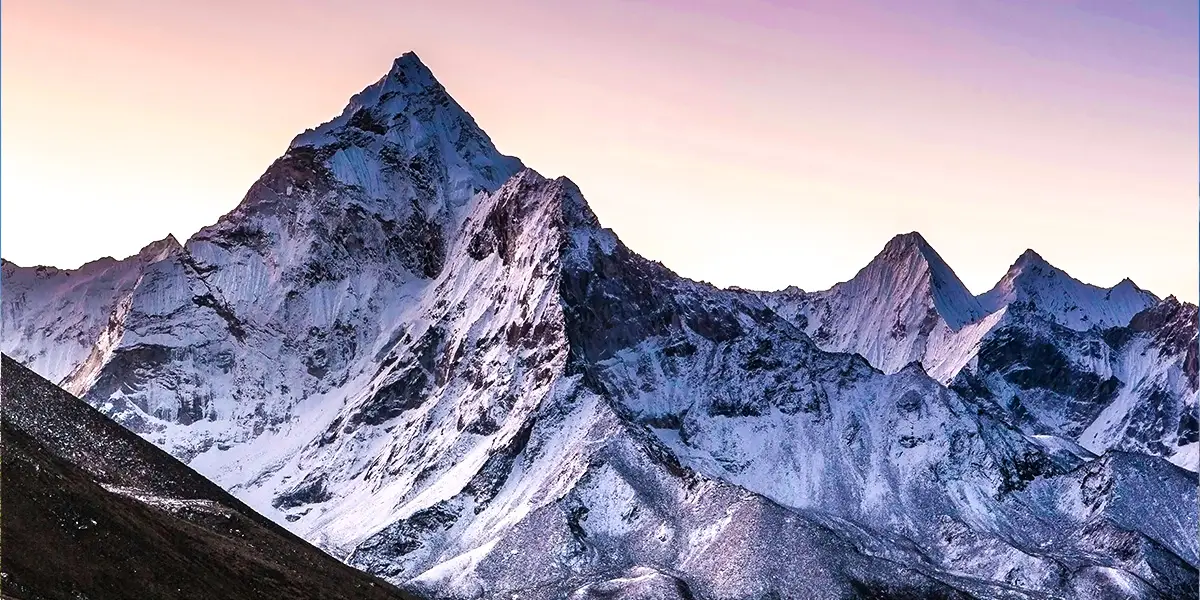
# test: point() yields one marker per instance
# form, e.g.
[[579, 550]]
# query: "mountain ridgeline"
[[435, 364]]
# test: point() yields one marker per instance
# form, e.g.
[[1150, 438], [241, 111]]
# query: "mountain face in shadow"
[[90, 510]]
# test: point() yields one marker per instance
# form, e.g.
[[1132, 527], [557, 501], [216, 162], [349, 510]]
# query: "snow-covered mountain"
[[1036, 284], [1105, 368], [906, 306], [1132, 387], [73, 307], [437, 365]]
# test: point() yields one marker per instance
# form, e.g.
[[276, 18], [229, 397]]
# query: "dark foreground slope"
[[90, 510]]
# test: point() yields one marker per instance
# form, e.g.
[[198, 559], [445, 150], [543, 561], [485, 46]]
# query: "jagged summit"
[[408, 102], [560, 190], [791, 290], [400, 136], [1029, 257], [906, 245], [907, 241], [410, 73], [1173, 318], [152, 252], [908, 266], [913, 245], [155, 251], [1127, 285], [1031, 281]]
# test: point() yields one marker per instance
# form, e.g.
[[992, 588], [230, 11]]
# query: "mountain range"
[[436, 365]]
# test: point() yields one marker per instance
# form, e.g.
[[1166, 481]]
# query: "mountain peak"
[[408, 73], [408, 60], [911, 241], [887, 312], [1029, 258], [408, 101], [1028, 267], [1033, 281], [155, 251], [406, 121], [912, 245], [1127, 283], [900, 273]]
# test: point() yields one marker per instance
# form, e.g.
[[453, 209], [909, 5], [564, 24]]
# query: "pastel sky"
[[757, 143]]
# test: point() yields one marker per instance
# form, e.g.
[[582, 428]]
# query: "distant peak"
[[1041, 286], [1173, 304], [167, 242], [1030, 263], [910, 240], [409, 73], [1028, 269], [790, 290], [909, 257], [1126, 288], [1030, 257], [156, 251], [909, 245]]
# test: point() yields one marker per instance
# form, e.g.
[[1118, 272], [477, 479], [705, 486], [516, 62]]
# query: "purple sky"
[[754, 143]]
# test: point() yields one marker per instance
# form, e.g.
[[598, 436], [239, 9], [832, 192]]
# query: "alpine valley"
[[435, 364]]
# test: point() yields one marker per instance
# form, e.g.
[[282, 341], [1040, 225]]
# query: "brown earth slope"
[[92, 511]]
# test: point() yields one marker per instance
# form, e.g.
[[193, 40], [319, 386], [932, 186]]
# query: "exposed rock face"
[[436, 364], [1125, 388]]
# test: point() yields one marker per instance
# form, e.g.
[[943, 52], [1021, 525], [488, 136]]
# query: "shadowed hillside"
[[93, 511]]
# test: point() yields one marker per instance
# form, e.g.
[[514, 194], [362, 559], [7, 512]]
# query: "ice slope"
[[437, 365]]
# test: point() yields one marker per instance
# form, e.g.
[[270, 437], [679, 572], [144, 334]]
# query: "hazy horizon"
[[753, 144]]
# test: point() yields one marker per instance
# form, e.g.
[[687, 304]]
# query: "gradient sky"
[[757, 143]]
